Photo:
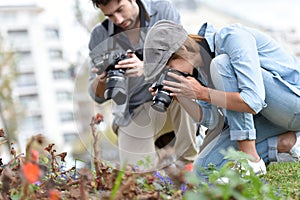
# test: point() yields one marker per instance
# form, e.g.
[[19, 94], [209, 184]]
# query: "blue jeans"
[[281, 114]]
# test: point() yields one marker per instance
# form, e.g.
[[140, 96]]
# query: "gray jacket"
[[103, 39]]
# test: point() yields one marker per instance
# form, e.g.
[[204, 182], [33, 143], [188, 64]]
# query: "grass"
[[280, 183], [285, 177]]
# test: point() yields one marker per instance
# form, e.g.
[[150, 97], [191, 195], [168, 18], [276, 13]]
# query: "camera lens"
[[162, 98], [161, 101], [116, 86]]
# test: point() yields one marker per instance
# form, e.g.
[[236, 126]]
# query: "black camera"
[[116, 87], [162, 98]]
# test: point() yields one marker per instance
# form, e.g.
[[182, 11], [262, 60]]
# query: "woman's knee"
[[222, 73], [221, 65]]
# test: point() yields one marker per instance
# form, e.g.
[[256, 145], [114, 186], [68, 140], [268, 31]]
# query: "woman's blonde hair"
[[191, 44]]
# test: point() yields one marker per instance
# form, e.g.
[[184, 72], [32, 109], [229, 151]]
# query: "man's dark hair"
[[96, 3]]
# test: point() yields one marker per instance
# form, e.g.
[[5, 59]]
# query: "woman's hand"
[[187, 87]]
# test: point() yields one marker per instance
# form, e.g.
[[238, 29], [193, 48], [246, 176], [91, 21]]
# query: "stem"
[[25, 195], [5, 126], [96, 153], [82, 189]]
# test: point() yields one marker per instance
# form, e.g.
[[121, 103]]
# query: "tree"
[[8, 113], [85, 22]]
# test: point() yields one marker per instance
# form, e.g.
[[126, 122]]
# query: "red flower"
[[49, 147], [12, 151], [31, 172], [189, 167], [98, 118], [2, 132], [54, 194], [35, 155]]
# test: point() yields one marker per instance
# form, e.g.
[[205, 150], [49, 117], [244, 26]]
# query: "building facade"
[[44, 86]]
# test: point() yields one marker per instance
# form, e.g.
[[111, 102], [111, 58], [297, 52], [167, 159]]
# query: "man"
[[135, 122]]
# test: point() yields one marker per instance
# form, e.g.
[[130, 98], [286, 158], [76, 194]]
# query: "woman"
[[244, 72]]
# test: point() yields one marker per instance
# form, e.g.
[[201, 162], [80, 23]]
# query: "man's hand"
[[101, 77], [99, 83], [152, 91], [134, 66]]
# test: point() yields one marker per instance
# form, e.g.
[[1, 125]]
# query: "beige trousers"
[[136, 141]]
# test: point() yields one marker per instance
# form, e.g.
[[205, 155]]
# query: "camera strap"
[[204, 71]]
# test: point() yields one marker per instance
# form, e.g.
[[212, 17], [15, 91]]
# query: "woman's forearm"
[[227, 100]]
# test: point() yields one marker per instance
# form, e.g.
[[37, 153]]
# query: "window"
[[66, 116], [63, 96], [69, 137], [31, 123], [55, 54], [25, 67], [30, 101], [18, 38], [61, 74], [52, 33], [8, 17], [24, 57], [25, 80], [17, 33]]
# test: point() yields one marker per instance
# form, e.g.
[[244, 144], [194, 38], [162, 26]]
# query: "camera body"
[[116, 87], [162, 98]]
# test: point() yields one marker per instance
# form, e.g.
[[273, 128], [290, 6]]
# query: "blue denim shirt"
[[248, 50]]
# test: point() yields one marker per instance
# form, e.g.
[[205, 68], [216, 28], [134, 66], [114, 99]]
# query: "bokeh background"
[[44, 64]]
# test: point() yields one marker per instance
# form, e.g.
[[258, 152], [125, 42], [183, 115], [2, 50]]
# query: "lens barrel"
[[161, 101], [116, 86]]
